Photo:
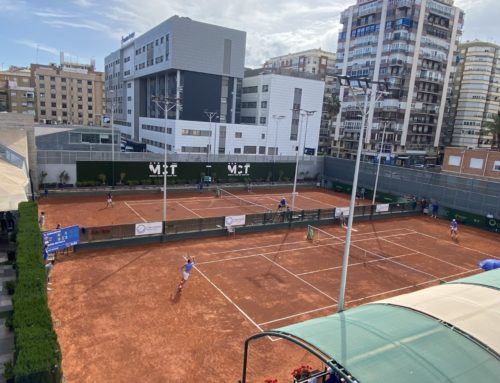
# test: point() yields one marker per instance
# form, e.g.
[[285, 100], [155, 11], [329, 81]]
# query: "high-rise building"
[[475, 95], [69, 93], [16, 93], [411, 45]]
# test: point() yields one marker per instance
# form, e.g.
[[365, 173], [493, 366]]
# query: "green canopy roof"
[[488, 279], [386, 343]]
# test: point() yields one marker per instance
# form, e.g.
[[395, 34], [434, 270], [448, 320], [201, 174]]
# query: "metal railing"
[[216, 224]]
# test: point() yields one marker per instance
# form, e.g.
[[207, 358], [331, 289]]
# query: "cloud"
[[54, 14], [84, 3], [39, 46], [12, 5]]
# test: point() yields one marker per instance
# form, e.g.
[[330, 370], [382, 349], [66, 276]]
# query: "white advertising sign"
[[234, 220], [148, 228], [344, 210], [383, 207]]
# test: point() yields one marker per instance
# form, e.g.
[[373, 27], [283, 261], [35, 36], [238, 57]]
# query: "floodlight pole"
[[297, 160], [211, 116], [112, 92], [308, 113], [275, 151], [168, 106], [379, 161], [345, 260]]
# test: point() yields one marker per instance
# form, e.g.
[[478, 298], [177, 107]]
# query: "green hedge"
[[37, 354]]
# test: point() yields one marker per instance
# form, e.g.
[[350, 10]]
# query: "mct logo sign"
[[155, 169], [238, 170]]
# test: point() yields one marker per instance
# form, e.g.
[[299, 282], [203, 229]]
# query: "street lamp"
[[307, 113], [112, 93], [211, 116], [168, 105], [362, 84], [277, 118], [386, 122], [297, 158]]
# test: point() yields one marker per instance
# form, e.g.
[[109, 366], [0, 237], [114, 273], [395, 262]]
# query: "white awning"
[[12, 187]]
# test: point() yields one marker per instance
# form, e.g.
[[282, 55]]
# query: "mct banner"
[[61, 239]]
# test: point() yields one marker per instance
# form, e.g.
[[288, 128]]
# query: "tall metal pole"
[[296, 164], [275, 151], [210, 115], [308, 113], [378, 164], [345, 260], [347, 245], [165, 174], [112, 138]]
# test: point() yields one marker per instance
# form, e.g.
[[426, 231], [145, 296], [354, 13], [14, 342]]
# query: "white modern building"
[[280, 104], [475, 95], [411, 45], [200, 67], [315, 61]]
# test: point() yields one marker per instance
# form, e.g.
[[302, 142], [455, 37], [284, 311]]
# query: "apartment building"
[[278, 103], [315, 61], [69, 93], [411, 45], [475, 95], [472, 162], [16, 93]]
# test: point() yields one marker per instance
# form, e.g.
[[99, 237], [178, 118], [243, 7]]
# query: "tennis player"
[[282, 204], [186, 270], [109, 199], [454, 228]]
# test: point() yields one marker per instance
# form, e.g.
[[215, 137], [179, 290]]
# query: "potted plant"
[[122, 177], [301, 372], [102, 177], [63, 178]]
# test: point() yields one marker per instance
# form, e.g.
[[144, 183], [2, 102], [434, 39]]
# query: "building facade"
[[475, 95], [411, 45], [315, 61], [16, 93], [68, 93], [197, 63], [200, 67], [472, 162], [267, 96], [320, 64]]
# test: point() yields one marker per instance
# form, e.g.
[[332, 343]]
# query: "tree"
[[332, 108], [43, 174], [493, 128], [63, 177]]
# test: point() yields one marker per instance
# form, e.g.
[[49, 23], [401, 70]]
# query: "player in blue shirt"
[[454, 228], [186, 269], [282, 203]]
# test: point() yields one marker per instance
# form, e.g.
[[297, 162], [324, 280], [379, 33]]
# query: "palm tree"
[[493, 127], [332, 108]]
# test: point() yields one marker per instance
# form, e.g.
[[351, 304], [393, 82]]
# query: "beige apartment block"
[[472, 162], [68, 93], [16, 93], [475, 96]]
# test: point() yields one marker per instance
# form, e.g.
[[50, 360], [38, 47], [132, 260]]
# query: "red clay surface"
[[118, 317], [92, 211]]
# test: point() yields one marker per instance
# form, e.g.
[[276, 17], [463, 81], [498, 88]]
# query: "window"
[[54, 113], [496, 166], [262, 150], [237, 150], [476, 163], [249, 150], [89, 83], [42, 112], [265, 88], [79, 90], [79, 81], [263, 104], [250, 89], [53, 104], [63, 97], [238, 135], [53, 95], [63, 79], [129, 85], [64, 105], [91, 138], [263, 136], [454, 160], [41, 77], [262, 120], [42, 103], [52, 78], [129, 111], [89, 99]]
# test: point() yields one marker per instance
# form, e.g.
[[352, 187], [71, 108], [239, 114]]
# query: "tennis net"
[[242, 202]]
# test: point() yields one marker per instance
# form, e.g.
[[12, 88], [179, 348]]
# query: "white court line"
[[456, 244], [424, 254], [136, 213], [297, 315], [325, 203], [299, 278], [230, 300], [355, 264], [188, 209]]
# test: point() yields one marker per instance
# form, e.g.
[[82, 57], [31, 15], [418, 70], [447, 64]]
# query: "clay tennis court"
[[136, 208], [119, 318]]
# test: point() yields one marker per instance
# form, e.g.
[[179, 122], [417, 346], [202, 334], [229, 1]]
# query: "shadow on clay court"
[[176, 297]]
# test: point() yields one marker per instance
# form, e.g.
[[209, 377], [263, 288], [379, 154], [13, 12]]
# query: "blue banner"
[[61, 239]]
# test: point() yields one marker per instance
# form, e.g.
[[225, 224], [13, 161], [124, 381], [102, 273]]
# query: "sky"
[[37, 30]]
